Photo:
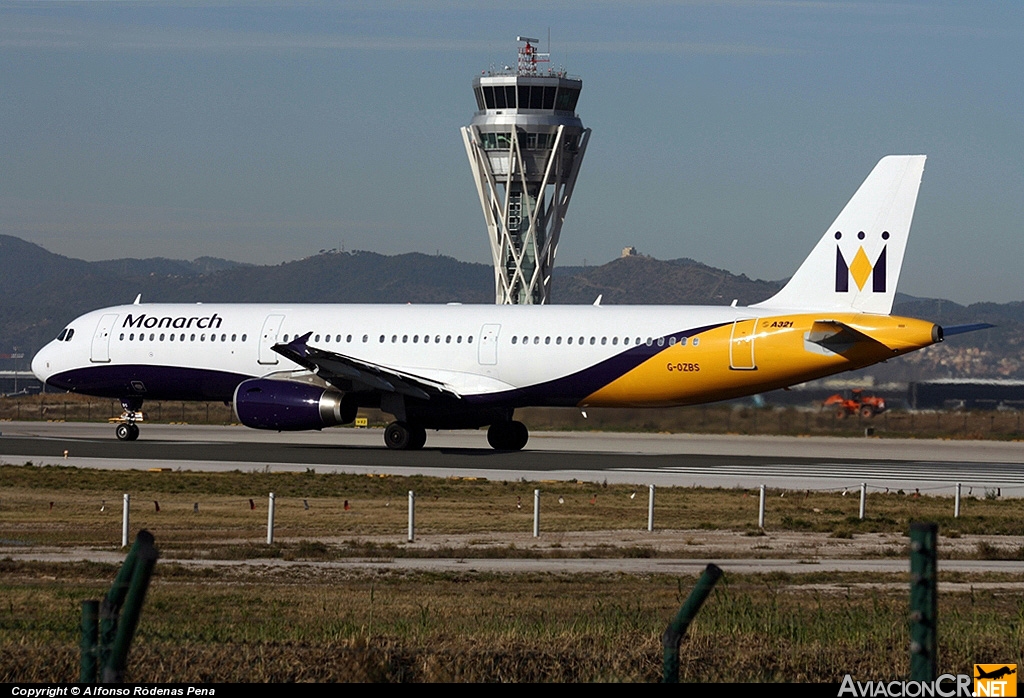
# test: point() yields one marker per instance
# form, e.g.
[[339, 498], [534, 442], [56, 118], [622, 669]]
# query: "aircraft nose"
[[41, 364]]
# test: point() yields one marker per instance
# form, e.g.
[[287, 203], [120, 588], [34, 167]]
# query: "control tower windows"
[[567, 99], [479, 92]]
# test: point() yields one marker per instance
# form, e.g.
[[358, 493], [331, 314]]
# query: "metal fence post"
[[650, 509], [863, 498], [270, 520], [124, 520], [760, 510], [923, 601], [412, 516], [956, 503], [536, 513]]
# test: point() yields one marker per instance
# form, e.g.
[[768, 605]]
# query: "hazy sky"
[[729, 132]]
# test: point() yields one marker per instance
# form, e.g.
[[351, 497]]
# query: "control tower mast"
[[525, 145]]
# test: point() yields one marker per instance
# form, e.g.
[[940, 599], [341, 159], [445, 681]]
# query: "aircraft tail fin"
[[857, 262]]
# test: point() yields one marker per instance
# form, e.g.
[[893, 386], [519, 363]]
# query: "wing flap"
[[335, 368]]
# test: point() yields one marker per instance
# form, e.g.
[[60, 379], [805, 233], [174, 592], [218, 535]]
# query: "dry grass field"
[[301, 620]]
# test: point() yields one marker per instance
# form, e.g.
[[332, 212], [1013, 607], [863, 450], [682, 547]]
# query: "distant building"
[[525, 145], [972, 393]]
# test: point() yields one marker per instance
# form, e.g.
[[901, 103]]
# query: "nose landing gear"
[[127, 429]]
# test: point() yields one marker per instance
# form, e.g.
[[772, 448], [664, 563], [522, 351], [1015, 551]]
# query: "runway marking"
[[1005, 475]]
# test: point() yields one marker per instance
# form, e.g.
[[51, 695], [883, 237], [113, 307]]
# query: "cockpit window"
[[71, 333], [65, 335]]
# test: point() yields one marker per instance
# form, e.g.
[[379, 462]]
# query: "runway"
[[659, 459]]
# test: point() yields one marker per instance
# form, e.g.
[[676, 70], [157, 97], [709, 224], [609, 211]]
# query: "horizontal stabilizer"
[[963, 329], [838, 337]]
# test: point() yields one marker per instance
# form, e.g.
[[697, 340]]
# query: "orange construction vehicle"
[[867, 406]]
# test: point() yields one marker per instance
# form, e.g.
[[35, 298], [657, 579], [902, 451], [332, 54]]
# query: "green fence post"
[[90, 632], [677, 628], [923, 601], [145, 560]]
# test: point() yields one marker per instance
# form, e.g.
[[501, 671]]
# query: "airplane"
[[995, 673], [306, 366]]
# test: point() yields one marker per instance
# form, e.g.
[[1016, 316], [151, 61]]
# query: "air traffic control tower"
[[525, 145]]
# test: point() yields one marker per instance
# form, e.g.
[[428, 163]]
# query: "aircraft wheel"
[[397, 436], [417, 438], [124, 432], [520, 435], [507, 436], [134, 429]]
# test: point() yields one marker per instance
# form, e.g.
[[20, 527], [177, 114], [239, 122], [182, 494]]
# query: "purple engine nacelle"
[[284, 405]]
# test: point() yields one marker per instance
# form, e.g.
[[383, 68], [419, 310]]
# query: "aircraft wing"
[[348, 373]]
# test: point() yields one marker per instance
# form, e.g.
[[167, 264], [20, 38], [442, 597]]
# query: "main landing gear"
[[508, 436], [127, 429], [401, 436], [502, 436]]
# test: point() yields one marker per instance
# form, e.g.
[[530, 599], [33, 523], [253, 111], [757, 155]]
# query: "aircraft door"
[[100, 352], [741, 345], [268, 338], [488, 352]]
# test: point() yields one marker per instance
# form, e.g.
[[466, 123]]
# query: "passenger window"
[[285, 339], [514, 339], [568, 340], [152, 336], [382, 339], [161, 336], [223, 337], [547, 340], [121, 338], [671, 341], [405, 338], [366, 338], [593, 341], [661, 341], [458, 340], [348, 338], [131, 337], [615, 341], [469, 339], [558, 340], [437, 339], [696, 341], [192, 338]]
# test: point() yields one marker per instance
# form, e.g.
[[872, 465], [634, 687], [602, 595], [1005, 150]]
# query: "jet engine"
[[284, 405]]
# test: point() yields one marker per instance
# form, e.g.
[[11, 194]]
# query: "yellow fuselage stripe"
[[758, 354]]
